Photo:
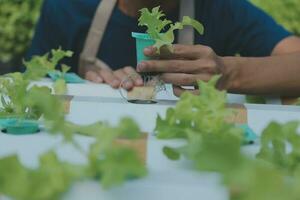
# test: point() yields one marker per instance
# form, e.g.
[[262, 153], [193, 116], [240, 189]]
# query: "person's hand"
[[115, 78], [185, 66]]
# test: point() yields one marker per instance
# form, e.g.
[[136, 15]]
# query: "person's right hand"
[[115, 78]]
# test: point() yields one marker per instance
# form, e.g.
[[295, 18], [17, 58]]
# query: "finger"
[[178, 91], [150, 51], [93, 76], [120, 74], [188, 52], [173, 66], [125, 80], [138, 81], [110, 78], [164, 52], [204, 65], [184, 79]]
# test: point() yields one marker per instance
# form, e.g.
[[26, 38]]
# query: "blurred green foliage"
[[286, 12], [17, 22]]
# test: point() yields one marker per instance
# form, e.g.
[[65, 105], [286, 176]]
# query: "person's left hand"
[[185, 66]]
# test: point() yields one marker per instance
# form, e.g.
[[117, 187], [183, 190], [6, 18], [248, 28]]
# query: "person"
[[268, 61]]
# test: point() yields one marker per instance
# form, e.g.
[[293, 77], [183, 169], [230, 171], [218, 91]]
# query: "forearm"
[[276, 75]]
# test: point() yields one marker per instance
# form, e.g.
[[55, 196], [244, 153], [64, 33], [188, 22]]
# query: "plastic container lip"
[[143, 36], [20, 127]]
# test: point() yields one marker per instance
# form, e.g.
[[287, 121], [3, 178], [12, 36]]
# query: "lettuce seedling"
[[199, 119], [161, 29], [214, 145]]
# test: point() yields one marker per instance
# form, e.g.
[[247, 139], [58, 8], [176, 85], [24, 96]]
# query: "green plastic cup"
[[143, 40], [20, 127]]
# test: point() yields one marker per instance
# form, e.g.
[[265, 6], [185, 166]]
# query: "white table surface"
[[167, 180]]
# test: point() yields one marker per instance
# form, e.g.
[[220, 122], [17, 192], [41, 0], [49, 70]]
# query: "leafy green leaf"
[[187, 21], [39, 66], [60, 87], [59, 54], [171, 153], [274, 147], [129, 129], [14, 177]]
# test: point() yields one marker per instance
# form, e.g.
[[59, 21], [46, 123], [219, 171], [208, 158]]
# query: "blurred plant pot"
[[19, 126]]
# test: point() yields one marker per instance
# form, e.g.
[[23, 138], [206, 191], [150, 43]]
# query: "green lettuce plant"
[[17, 97], [161, 30], [214, 145], [17, 19], [197, 119]]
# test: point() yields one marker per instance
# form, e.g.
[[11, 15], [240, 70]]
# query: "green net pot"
[[143, 40], [19, 126]]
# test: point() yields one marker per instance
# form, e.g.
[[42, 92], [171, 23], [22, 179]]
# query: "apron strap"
[[88, 57], [187, 35]]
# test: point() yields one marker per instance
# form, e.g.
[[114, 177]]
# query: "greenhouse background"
[[18, 19]]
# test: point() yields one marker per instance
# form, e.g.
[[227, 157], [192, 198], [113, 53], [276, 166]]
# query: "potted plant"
[[160, 33], [20, 106]]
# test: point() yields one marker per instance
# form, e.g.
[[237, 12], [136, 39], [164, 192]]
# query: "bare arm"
[[278, 74]]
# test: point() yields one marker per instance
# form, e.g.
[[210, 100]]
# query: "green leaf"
[[274, 149], [129, 129], [59, 54], [39, 66], [171, 153], [65, 68], [14, 178], [119, 165], [187, 21], [60, 87]]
